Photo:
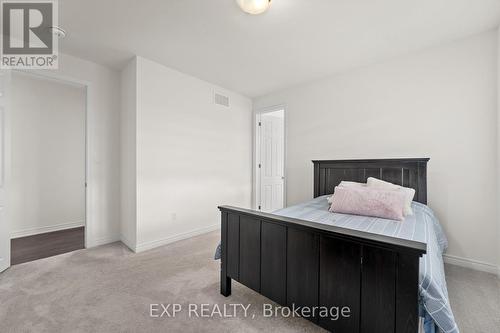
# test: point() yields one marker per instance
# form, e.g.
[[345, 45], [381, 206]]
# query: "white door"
[[4, 226], [272, 153]]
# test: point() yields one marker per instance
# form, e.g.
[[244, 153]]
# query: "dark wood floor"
[[40, 246]]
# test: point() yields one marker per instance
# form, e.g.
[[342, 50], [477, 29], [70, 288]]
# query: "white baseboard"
[[153, 244], [128, 243], [472, 264], [102, 241], [42, 230]]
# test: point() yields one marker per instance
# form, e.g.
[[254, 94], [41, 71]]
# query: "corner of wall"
[[128, 243], [128, 123], [498, 150]]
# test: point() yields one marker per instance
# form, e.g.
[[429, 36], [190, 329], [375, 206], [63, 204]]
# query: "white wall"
[[191, 155], [47, 187], [103, 144], [128, 155], [440, 103], [498, 148]]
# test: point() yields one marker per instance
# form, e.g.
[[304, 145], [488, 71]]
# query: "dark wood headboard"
[[407, 172]]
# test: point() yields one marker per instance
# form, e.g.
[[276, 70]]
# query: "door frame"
[[256, 152], [5, 151], [57, 77]]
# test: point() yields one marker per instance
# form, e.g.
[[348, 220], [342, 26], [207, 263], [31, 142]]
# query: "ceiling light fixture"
[[254, 7], [57, 31]]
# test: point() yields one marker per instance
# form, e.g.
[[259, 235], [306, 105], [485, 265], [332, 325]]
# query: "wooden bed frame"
[[304, 264]]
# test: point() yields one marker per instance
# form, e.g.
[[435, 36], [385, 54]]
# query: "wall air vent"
[[220, 99]]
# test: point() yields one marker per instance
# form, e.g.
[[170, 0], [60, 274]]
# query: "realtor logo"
[[27, 39]]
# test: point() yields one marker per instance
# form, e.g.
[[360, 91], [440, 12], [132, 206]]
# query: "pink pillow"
[[346, 183], [387, 204]]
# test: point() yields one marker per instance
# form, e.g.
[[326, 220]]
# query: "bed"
[[385, 272]]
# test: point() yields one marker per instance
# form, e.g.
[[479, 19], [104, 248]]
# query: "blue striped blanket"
[[422, 226]]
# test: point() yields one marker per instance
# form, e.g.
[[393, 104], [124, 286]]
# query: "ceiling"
[[294, 42]]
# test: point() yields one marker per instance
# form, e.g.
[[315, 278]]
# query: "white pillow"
[[409, 192], [346, 183]]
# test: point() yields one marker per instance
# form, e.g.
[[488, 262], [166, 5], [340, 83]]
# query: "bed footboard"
[[302, 264]]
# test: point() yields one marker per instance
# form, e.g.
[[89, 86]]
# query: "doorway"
[[270, 160], [47, 187]]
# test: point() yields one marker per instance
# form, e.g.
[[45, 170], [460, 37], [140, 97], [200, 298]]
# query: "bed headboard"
[[408, 172]]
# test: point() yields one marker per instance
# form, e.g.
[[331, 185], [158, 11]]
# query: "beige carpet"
[[475, 299], [110, 289]]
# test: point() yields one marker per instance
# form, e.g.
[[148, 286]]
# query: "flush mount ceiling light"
[[57, 31], [254, 7]]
